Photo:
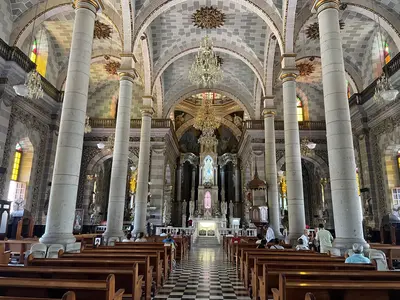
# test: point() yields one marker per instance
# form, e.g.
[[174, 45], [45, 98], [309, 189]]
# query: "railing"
[[135, 123], [175, 230], [279, 125], [12, 53], [391, 68]]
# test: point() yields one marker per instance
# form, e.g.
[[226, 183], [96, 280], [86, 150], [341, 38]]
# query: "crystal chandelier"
[[206, 120], [384, 91], [206, 69], [34, 84], [307, 147], [88, 128]]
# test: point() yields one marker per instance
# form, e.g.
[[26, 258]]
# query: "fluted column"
[[119, 169], [347, 208], [270, 165], [143, 166], [61, 212], [294, 177]]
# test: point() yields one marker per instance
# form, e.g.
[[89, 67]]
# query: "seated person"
[[300, 245], [263, 244], [260, 238], [169, 241], [141, 238], [276, 245], [236, 239], [128, 238], [357, 257]]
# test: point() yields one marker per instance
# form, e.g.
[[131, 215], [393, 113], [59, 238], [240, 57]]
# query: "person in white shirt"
[[276, 245], [141, 238], [270, 235], [301, 246], [325, 239], [305, 238], [128, 238]]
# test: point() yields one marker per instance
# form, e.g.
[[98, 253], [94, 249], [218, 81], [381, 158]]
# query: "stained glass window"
[[34, 52], [348, 89], [300, 115], [207, 200], [386, 52], [17, 162], [398, 161]]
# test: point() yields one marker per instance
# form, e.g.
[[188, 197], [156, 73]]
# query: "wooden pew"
[[4, 255], [155, 259], [164, 256], [333, 289], [19, 247], [56, 288], [392, 252], [128, 280], [144, 266], [67, 296], [268, 273], [294, 260]]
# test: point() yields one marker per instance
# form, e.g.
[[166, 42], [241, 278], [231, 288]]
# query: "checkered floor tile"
[[205, 275]]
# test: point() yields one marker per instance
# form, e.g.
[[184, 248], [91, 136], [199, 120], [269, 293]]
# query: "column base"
[[116, 234], [57, 238], [347, 243]]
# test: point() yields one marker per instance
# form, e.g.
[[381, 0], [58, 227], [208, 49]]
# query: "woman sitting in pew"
[[141, 238], [262, 245], [300, 245], [357, 257], [128, 238], [276, 245]]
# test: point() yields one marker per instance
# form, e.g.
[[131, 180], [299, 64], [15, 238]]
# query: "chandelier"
[[384, 91], [206, 69], [88, 128], [307, 147], [206, 120]]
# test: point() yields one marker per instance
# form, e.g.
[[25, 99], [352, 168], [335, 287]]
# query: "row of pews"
[[125, 270], [307, 275]]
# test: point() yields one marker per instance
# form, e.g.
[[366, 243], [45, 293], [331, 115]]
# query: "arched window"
[[300, 113], [386, 52], [39, 57], [207, 200], [17, 162]]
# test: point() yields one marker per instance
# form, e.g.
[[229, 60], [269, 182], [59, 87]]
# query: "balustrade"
[[305, 125]]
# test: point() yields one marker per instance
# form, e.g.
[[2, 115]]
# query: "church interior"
[[212, 123]]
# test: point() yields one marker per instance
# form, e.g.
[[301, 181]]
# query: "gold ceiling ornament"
[[305, 69], [112, 66], [102, 31], [312, 30], [206, 119], [208, 18]]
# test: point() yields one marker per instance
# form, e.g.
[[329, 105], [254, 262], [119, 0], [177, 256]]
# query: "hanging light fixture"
[[32, 88], [206, 69], [384, 90]]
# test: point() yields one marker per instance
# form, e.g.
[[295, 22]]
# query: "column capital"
[[130, 75], [147, 111], [269, 112], [289, 74], [97, 4], [319, 5]]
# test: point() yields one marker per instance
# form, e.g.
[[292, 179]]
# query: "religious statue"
[[167, 211], [208, 171], [184, 206], [179, 120], [133, 182], [191, 208], [237, 121], [224, 208], [231, 208]]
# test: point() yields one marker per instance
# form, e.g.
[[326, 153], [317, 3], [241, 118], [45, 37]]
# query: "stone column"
[[347, 208], [119, 169], [143, 166], [222, 173], [192, 195], [294, 177], [67, 163], [270, 165], [235, 213]]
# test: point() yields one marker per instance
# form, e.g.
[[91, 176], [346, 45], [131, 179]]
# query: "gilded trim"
[[96, 3], [132, 76], [267, 113], [288, 76], [322, 2]]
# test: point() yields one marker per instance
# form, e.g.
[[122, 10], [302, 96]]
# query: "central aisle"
[[205, 275]]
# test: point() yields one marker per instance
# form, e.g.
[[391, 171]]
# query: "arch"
[[390, 23], [224, 90], [253, 64], [269, 67], [150, 12], [289, 21], [102, 156], [231, 126], [28, 19], [147, 66], [313, 158]]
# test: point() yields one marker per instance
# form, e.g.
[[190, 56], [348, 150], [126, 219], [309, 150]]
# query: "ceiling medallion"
[[111, 66], [312, 30], [305, 69], [101, 30], [208, 18]]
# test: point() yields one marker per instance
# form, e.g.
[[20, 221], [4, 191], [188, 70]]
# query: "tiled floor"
[[205, 275]]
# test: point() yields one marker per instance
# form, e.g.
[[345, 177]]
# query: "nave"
[[206, 274]]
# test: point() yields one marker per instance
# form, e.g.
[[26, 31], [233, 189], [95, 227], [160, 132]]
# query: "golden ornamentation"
[[268, 113], [305, 69], [288, 76], [322, 2], [101, 30], [112, 67], [208, 18], [312, 30]]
